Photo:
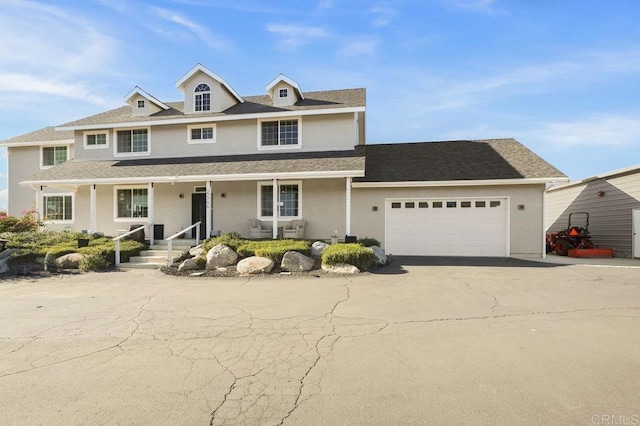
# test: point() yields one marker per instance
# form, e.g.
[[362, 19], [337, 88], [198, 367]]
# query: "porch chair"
[[258, 230], [295, 229]]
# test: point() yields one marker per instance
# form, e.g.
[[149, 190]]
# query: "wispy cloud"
[[382, 14], [482, 6], [364, 46], [16, 82], [293, 36], [200, 32], [604, 130]]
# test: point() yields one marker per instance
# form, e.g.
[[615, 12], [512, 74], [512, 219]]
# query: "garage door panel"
[[476, 227]]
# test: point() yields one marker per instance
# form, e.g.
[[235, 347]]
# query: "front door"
[[199, 213], [636, 233]]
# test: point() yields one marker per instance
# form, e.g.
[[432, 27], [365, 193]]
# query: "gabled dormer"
[[143, 104], [205, 91], [284, 91]]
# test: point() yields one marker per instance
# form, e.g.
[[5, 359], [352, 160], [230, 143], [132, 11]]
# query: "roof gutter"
[[48, 143], [485, 182], [212, 119], [200, 178]]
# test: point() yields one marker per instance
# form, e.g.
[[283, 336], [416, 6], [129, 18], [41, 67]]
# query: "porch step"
[[162, 252], [131, 265], [156, 256]]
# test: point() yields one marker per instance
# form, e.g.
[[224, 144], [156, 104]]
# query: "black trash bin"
[[158, 231], [138, 235], [350, 239]]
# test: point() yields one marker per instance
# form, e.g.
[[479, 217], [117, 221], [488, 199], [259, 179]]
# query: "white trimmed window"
[[96, 139], [202, 98], [58, 207], [283, 93], [53, 155], [289, 200], [140, 103], [132, 141], [132, 202], [201, 133], [279, 133]]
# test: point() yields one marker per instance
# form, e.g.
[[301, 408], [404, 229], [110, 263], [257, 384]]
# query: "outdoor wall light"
[[374, 208], [223, 195], [600, 193], [181, 195], [520, 206]]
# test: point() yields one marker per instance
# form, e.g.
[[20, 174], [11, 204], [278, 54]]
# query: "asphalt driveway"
[[454, 342]]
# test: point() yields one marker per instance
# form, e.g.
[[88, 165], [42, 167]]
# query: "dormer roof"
[[138, 91], [201, 68], [285, 79]]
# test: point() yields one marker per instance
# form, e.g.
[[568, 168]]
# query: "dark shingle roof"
[[328, 99], [454, 160], [91, 171]]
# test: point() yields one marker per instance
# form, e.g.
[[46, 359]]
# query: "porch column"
[[92, 209], [209, 213], [150, 208], [39, 208], [276, 209], [348, 208]]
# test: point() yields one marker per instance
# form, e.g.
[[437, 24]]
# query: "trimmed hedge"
[[232, 239], [351, 254], [368, 242], [273, 249]]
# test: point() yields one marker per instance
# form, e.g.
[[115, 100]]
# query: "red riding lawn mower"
[[575, 241]]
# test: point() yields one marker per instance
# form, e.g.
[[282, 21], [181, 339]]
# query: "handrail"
[[126, 234], [176, 235]]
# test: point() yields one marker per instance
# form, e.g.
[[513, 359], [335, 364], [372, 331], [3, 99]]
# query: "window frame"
[[201, 126], [280, 183], [59, 194], [140, 104], [196, 94], [279, 146], [131, 154], [54, 146], [87, 133], [283, 93], [117, 218]]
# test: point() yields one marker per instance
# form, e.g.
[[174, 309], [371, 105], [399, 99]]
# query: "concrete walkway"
[[508, 343]]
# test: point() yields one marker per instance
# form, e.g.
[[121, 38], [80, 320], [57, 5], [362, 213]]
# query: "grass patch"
[[352, 254]]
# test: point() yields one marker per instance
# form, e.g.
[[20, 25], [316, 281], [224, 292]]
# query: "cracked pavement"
[[413, 344]]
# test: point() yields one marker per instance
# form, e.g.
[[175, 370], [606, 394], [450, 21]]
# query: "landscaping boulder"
[[69, 261], [221, 255], [318, 248], [380, 258], [255, 265], [340, 268], [192, 264], [293, 261], [4, 258], [196, 251]]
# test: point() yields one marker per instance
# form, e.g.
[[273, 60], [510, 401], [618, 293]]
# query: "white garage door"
[[447, 227]]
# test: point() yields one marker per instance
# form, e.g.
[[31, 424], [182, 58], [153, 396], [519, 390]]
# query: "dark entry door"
[[199, 213]]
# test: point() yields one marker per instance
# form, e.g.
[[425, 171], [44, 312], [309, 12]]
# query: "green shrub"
[[232, 239], [94, 262], [351, 254], [368, 242], [273, 249]]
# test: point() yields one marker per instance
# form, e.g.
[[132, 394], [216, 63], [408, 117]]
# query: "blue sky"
[[562, 77]]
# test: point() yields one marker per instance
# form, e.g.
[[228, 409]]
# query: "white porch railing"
[[176, 235], [126, 234]]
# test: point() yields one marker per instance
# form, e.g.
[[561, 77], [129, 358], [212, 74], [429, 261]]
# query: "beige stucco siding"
[[526, 231]]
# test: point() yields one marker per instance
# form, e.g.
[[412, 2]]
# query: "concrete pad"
[[423, 341]]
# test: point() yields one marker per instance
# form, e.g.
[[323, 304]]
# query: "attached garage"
[[447, 226]]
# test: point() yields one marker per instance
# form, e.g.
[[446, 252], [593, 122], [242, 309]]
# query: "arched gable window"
[[202, 97]]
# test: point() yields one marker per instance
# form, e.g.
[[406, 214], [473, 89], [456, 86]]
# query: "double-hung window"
[[58, 207], [132, 141], [53, 155], [288, 202], [279, 133], [132, 202], [202, 98]]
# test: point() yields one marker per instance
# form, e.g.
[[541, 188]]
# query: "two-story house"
[[224, 159]]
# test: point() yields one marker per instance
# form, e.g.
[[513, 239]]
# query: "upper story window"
[[202, 100], [54, 155], [279, 133], [132, 141], [95, 140], [141, 103], [201, 133], [284, 93]]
